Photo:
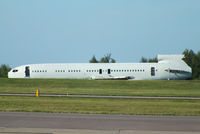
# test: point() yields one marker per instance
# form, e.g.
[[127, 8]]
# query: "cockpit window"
[[15, 70]]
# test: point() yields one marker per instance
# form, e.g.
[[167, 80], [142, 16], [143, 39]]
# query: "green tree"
[[198, 55], [151, 60], [4, 69], [106, 59], [143, 60], [94, 60], [113, 60], [193, 60], [188, 56]]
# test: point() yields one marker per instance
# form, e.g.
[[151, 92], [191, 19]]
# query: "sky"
[[72, 31]]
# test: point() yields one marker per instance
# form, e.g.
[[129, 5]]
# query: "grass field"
[[102, 87], [100, 106]]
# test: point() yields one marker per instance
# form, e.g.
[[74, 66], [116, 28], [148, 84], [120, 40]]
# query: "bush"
[[4, 69]]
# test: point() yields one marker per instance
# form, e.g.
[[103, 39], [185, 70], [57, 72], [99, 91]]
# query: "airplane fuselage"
[[163, 70]]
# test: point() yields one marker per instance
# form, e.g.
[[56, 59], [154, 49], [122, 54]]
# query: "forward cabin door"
[[27, 71]]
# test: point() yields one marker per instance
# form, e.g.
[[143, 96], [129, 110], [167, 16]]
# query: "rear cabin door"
[[152, 71], [27, 71]]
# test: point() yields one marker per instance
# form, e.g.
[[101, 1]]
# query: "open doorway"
[[152, 71], [27, 71]]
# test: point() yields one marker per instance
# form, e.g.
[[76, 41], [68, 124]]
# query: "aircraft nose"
[[9, 74]]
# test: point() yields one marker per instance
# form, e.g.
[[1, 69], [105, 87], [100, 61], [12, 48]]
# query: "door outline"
[[153, 71], [27, 71], [109, 71], [100, 71]]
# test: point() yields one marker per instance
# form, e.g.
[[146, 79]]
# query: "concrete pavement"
[[55, 123]]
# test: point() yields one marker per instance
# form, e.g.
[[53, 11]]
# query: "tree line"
[[106, 59], [150, 60]]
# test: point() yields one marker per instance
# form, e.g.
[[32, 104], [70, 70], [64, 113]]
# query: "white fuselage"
[[163, 70]]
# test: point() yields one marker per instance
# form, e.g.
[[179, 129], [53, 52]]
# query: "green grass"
[[102, 87], [100, 106]]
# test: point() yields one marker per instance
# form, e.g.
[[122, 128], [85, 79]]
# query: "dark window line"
[[118, 70], [39, 71], [97, 71], [70, 71]]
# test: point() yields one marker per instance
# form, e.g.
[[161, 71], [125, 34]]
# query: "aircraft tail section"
[[175, 65]]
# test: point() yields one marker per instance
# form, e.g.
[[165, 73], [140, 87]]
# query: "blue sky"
[[72, 31]]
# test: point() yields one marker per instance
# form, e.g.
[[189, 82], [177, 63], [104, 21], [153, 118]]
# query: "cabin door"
[[152, 71], [100, 71], [109, 71], [27, 71]]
